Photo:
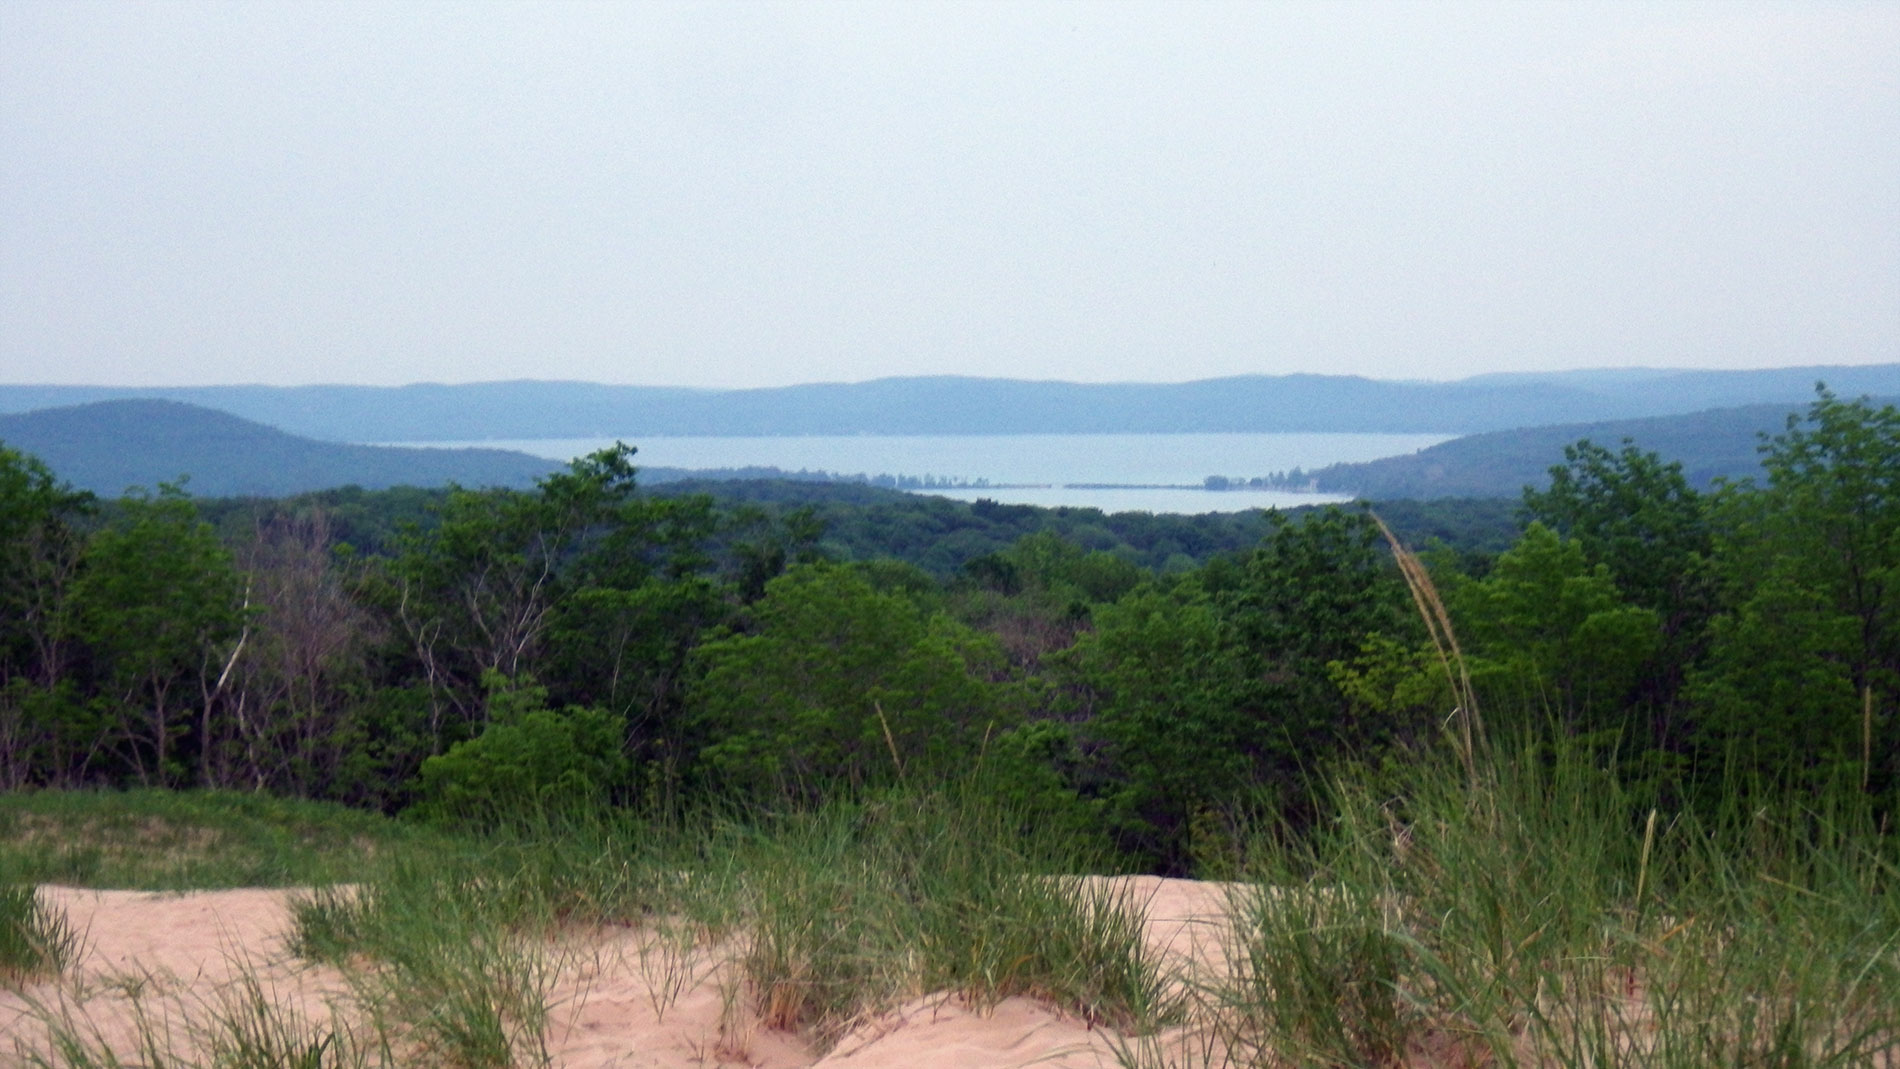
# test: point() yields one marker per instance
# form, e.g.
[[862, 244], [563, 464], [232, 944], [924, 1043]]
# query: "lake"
[[1164, 471]]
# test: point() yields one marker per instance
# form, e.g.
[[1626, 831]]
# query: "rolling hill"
[[952, 405], [108, 446], [1711, 445]]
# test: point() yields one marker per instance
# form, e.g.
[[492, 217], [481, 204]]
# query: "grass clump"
[[1554, 917], [435, 963], [35, 942], [329, 925], [248, 1029], [461, 997], [1318, 980], [241, 1027], [857, 906], [449, 949]]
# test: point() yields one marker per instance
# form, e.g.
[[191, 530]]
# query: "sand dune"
[[623, 998]]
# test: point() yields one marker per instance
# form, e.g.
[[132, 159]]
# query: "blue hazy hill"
[[108, 446], [955, 405]]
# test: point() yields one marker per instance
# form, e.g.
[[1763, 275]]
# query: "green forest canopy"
[[462, 654]]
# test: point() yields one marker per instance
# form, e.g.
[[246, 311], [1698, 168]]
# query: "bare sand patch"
[[648, 997], [158, 963]]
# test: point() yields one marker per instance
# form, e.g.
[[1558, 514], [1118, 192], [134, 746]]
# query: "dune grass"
[[36, 941], [1543, 914], [445, 950], [1554, 918], [853, 908], [832, 916], [242, 1027]]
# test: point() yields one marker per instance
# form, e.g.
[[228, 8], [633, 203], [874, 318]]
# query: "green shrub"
[[529, 760]]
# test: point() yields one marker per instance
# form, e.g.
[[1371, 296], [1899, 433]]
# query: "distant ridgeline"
[[108, 446], [950, 405], [1718, 444]]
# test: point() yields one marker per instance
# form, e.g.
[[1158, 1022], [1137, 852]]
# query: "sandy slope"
[[165, 958], [176, 958]]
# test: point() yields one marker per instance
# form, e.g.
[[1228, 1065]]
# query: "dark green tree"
[[40, 549], [835, 685], [1164, 688], [763, 544], [1638, 517], [517, 584], [1037, 595], [1546, 630], [1309, 596], [626, 650], [1221, 689], [1803, 672], [158, 608]]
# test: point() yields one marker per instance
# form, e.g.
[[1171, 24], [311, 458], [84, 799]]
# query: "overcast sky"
[[758, 194]]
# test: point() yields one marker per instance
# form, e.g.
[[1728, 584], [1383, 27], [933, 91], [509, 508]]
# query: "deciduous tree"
[[157, 607], [836, 685], [40, 548], [1804, 667]]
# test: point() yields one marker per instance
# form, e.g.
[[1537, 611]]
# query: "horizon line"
[[434, 384]]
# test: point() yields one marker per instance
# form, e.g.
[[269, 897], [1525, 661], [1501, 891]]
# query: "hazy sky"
[[755, 194]]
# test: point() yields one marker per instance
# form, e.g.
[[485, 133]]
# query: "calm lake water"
[[1035, 469]]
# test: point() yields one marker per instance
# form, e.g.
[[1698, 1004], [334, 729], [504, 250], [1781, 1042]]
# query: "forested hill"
[[952, 405], [108, 446], [1720, 443]]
